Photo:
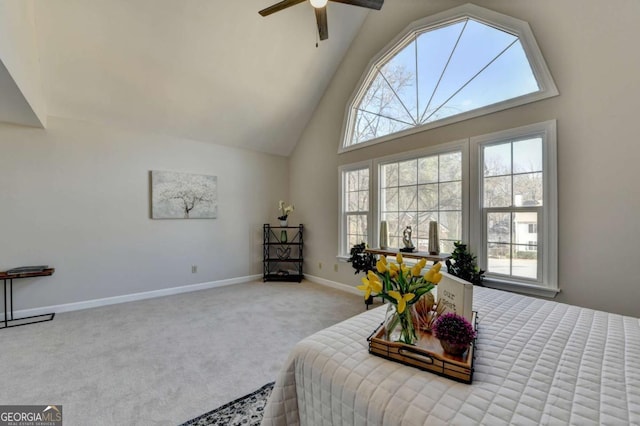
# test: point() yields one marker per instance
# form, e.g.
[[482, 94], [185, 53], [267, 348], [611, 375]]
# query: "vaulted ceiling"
[[209, 70]]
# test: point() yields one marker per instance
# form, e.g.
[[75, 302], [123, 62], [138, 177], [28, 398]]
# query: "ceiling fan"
[[321, 10]]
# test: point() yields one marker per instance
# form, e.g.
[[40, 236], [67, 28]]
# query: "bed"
[[537, 362]]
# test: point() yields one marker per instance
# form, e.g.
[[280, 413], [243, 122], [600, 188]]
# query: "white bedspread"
[[537, 362]]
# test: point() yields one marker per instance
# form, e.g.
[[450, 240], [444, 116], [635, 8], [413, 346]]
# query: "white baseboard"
[[333, 284], [76, 306]]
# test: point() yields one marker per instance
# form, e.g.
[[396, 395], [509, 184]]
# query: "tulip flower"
[[415, 271], [401, 299]]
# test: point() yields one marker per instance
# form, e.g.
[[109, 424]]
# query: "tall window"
[[449, 67], [517, 204], [355, 207], [417, 191]]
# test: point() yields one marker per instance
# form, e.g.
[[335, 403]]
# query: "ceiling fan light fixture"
[[318, 4]]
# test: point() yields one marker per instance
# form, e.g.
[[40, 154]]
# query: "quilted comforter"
[[537, 362]]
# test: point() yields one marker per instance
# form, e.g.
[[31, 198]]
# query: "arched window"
[[459, 64]]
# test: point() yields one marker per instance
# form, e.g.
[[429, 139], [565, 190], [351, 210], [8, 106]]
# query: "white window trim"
[[459, 145], [549, 222], [506, 23], [343, 250]]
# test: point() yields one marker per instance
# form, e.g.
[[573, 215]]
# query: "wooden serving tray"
[[427, 354]]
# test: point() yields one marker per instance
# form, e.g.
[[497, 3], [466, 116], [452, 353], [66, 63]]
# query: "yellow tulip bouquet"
[[402, 287]]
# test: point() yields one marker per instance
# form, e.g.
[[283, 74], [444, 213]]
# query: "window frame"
[[517, 27], [343, 238], [547, 239]]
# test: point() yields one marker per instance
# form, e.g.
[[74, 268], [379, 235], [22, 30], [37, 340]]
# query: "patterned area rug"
[[245, 411]]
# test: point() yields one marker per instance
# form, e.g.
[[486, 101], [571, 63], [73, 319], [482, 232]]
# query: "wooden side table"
[[435, 258], [9, 320]]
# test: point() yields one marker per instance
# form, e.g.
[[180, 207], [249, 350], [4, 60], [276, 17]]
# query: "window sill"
[[527, 289]]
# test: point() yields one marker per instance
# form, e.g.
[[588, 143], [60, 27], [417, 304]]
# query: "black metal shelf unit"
[[282, 253]]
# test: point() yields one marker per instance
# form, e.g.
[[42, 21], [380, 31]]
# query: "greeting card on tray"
[[456, 295]]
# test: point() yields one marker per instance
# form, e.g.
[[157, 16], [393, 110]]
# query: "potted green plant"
[[362, 262], [454, 332], [464, 265]]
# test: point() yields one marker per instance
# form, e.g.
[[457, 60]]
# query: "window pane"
[[499, 227], [369, 126], [363, 201], [499, 258], [352, 202], [451, 196], [408, 172], [478, 46], [497, 159], [525, 262], [423, 223], [380, 99], [390, 199], [400, 73], [408, 198], [451, 166], [352, 181], [433, 50], [363, 176], [428, 197], [523, 225], [508, 77], [497, 192], [392, 223], [527, 189], [352, 224], [527, 156], [446, 246], [450, 226], [389, 175], [362, 227], [428, 169]]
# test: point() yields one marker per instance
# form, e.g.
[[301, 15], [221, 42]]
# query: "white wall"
[[76, 196], [589, 47], [19, 54]]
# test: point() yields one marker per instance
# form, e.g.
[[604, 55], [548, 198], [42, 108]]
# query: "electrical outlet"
[[319, 265], [335, 267], [194, 269]]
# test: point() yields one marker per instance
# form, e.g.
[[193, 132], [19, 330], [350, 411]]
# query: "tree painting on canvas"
[[177, 195]]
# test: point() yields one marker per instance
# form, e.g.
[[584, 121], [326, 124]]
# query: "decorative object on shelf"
[[402, 287], [434, 241], [406, 239], [384, 235], [283, 236], [454, 332], [464, 265], [285, 212], [283, 253], [183, 196]]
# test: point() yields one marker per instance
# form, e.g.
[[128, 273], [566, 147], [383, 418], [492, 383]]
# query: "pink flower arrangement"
[[454, 329]]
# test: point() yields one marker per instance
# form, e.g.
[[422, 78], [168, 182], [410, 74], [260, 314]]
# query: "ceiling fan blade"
[[370, 4], [323, 27], [279, 6]]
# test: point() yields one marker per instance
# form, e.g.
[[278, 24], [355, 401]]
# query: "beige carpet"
[[164, 361]]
